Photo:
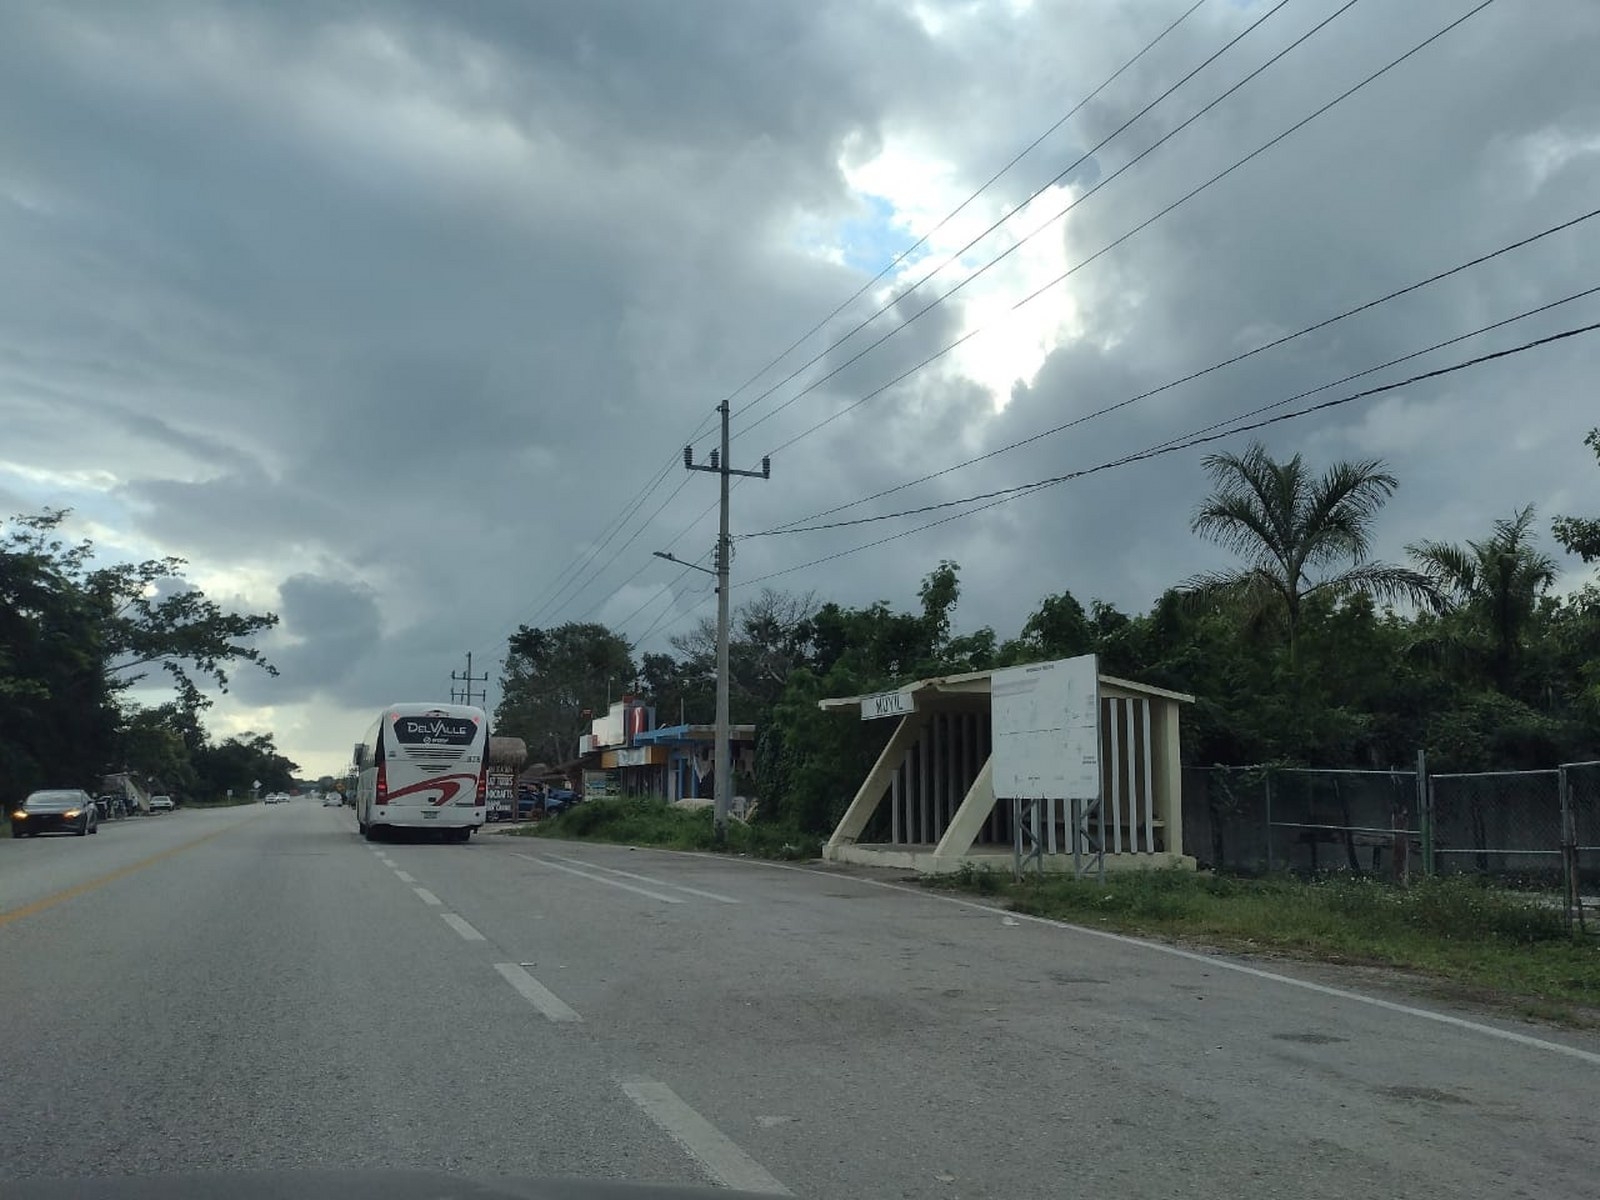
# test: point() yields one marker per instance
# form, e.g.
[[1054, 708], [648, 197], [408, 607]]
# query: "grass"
[[218, 802], [1470, 939], [647, 822]]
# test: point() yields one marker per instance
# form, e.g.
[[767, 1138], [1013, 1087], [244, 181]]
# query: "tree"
[[1304, 536], [1495, 584], [769, 637], [1581, 535], [552, 677], [239, 763], [57, 715], [183, 631]]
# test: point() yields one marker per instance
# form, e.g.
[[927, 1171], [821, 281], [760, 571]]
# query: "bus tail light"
[[483, 788], [382, 786]]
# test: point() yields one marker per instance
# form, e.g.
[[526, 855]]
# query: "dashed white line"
[[536, 993], [627, 887], [677, 887], [386, 860], [403, 877], [427, 897], [709, 1146], [461, 927]]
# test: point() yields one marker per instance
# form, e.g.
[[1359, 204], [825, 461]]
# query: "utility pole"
[[465, 694], [720, 466]]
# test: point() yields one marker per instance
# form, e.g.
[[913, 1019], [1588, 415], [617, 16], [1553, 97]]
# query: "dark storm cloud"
[[401, 303], [327, 630], [1382, 192]]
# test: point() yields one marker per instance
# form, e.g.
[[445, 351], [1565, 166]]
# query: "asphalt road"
[[259, 988]]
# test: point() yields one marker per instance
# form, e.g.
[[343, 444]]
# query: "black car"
[[59, 810]]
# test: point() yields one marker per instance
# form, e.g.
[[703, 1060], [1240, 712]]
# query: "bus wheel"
[[370, 832]]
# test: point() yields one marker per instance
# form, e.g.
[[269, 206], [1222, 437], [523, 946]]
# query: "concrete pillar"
[[877, 781]]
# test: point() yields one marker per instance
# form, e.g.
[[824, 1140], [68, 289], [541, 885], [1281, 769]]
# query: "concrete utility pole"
[[465, 694], [719, 464]]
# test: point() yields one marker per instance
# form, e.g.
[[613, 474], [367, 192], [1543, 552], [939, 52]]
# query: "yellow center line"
[[71, 893]]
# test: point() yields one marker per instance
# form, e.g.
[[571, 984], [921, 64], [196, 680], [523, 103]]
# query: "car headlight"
[[71, 814], [20, 814]]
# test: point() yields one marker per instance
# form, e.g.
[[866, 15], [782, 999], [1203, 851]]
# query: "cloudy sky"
[[387, 315]]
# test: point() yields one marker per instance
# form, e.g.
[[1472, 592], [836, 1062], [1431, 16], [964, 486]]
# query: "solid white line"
[[627, 887], [536, 993], [403, 877], [1223, 964], [677, 887], [427, 897], [709, 1146], [461, 927]]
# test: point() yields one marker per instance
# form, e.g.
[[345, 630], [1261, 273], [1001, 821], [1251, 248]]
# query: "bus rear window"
[[434, 731]]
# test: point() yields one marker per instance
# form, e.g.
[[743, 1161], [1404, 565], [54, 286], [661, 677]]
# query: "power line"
[[677, 620], [608, 531], [629, 508], [561, 588], [1200, 438], [927, 508], [960, 208], [704, 594], [1185, 198], [578, 590], [1039, 191], [647, 563], [1193, 375]]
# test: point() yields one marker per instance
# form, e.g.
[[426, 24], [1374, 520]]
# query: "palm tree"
[[1303, 535], [1497, 582]]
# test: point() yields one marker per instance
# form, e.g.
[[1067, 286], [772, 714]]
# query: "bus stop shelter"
[[929, 804]]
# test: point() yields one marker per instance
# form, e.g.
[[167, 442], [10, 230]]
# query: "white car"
[[276, 798], [161, 804]]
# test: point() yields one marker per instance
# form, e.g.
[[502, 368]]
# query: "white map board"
[[1047, 730]]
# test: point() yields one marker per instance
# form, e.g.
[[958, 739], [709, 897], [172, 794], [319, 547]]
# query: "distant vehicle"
[[161, 804], [275, 798], [62, 810], [332, 800], [423, 766]]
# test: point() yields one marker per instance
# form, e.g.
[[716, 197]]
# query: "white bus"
[[422, 767]]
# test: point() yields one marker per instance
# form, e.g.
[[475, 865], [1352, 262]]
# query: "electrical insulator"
[[688, 456], [766, 466], [716, 459]]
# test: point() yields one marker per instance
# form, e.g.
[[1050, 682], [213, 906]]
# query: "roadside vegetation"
[[649, 822], [1482, 942], [1305, 650]]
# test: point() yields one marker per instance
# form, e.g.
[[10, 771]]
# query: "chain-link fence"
[[1255, 819], [1503, 824], [1582, 793], [1225, 818], [1538, 830]]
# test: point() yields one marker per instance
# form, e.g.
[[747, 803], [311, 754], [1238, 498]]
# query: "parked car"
[[62, 810], [161, 804]]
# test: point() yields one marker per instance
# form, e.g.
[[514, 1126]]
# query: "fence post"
[[1571, 893], [1267, 785], [1425, 810], [1424, 818]]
